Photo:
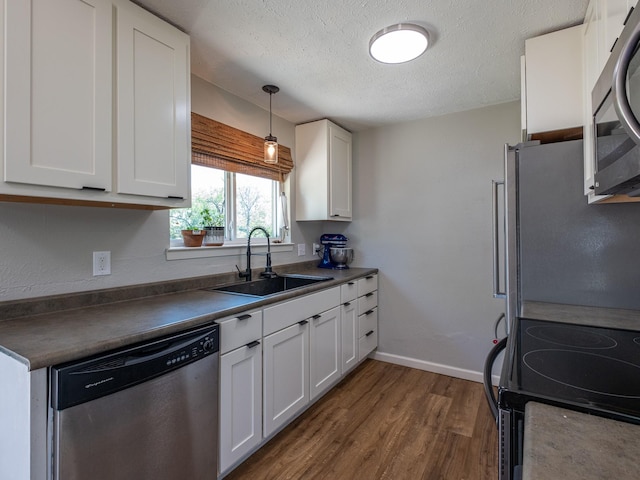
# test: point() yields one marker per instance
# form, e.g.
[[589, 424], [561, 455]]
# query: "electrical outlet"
[[101, 263], [302, 249], [316, 247]]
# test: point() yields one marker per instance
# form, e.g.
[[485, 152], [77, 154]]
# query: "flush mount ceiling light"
[[399, 43], [270, 142]]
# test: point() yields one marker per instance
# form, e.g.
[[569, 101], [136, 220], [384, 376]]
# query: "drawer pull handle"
[[368, 312], [370, 294], [369, 333], [346, 304], [315, 317], [368, 277], [96, 189], [174, 197], [351, 283], [303, 322], [246, 316], [255, 343]]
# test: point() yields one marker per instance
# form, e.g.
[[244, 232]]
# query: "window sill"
[[183, 253]]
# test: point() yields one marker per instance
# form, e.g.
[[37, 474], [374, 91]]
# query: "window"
[[236, 201], [231, 184]]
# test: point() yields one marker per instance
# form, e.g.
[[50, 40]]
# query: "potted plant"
[[191, 229], [193, 236], [212, 225]]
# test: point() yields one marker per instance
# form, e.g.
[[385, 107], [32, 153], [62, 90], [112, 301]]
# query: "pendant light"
[[399, 43], [270, 142]]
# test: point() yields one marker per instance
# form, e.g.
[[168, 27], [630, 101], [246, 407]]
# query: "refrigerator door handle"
[[497, 293]]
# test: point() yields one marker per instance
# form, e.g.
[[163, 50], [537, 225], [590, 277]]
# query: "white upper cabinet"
[[58, 93], [96, 105], [153, 105], [323, 172], [553, 81]]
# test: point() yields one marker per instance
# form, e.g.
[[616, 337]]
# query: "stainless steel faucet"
[[268, 272]]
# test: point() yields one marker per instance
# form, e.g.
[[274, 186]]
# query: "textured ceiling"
[[317, 53]]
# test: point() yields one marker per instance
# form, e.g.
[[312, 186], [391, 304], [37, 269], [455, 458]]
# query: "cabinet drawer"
[[367, 302], [367, 322], [348, 291], [240, 330], [367, 284], [285, 314], [367, 344]]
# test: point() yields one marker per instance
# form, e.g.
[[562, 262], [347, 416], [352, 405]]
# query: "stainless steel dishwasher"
[[149, 411]]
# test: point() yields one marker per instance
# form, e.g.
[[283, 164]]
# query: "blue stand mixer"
[[331, 240]]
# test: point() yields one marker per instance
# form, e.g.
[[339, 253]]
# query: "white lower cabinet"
[[286, 375], [368, 329], [240, 387], [324, 350], [307, 345], [367, 315], [240, 403], [349, 336]]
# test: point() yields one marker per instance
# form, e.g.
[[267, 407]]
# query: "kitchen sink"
[[270, 286]]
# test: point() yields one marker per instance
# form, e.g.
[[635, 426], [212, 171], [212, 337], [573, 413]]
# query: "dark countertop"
[[566, 444], [51, 338]]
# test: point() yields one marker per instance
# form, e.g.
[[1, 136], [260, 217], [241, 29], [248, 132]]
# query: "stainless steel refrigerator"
[[558, 248]]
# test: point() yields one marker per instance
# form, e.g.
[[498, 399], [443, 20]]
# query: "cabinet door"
[[349, 336], [153, 106], [240, 403], [324, 350], [554, 80], [339, 173], [286, 375], [58, 93]]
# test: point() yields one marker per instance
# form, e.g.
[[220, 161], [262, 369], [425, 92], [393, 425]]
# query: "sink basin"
[[270, 286]]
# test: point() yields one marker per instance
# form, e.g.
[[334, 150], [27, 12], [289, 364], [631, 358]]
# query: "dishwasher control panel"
[[77, 382]]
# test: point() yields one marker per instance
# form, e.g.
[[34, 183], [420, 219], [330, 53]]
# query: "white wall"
[[422, 212], [47, 249]]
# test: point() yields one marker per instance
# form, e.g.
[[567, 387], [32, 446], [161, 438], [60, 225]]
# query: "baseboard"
[[432, 367]]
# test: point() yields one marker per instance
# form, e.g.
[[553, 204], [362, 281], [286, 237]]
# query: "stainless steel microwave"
[[616, 114]]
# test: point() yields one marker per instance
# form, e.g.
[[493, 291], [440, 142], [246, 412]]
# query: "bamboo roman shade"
[[216, 145]]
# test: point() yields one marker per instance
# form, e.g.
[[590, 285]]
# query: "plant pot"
[[193, 238], [214, 236]]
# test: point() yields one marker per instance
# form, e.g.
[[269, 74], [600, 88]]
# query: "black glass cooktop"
[[585, 367]]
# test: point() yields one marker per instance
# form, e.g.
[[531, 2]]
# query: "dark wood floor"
[[385, 421]]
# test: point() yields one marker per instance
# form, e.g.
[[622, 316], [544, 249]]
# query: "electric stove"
[[592, 369]]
